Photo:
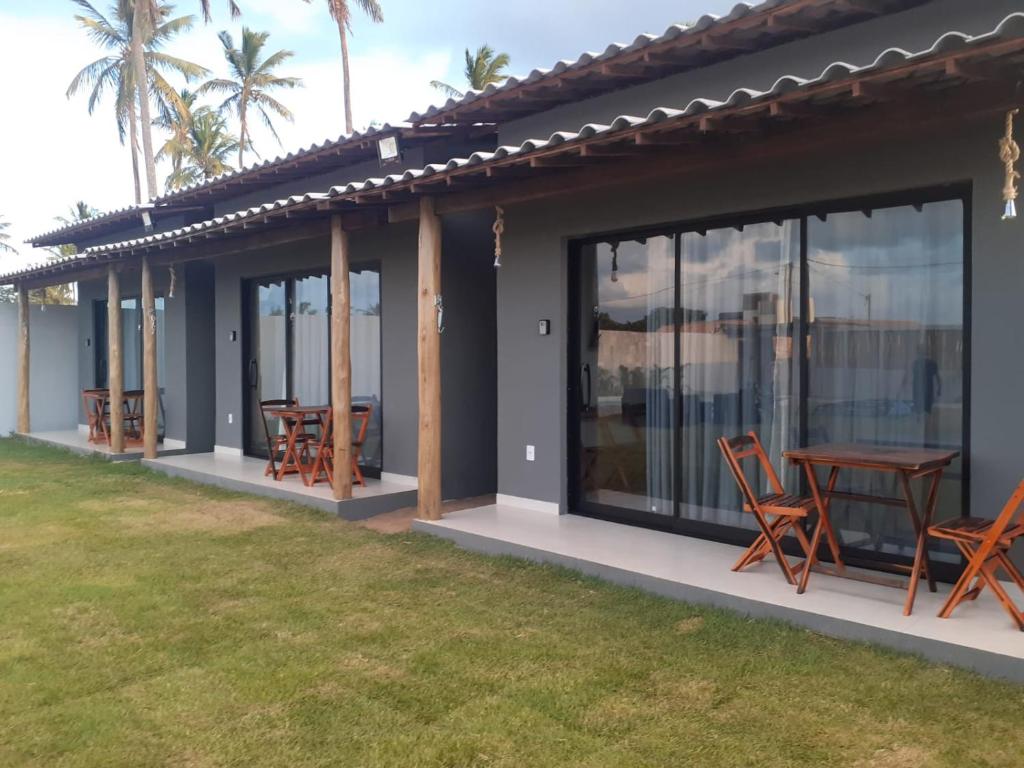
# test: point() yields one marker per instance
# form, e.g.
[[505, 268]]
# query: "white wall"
[[53, 377]]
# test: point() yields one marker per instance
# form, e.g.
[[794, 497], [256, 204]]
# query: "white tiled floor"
[[702, 568], [245, 469]]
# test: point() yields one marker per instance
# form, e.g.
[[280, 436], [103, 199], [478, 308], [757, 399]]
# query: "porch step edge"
[[984, 662]]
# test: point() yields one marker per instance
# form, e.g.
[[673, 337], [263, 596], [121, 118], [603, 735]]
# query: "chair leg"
[[990, 572], [1010, 568], [961, 588]]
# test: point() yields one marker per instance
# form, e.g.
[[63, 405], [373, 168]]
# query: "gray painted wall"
[[53, 364], [860, 44], [533, 284], [468, 346], [187, 359]]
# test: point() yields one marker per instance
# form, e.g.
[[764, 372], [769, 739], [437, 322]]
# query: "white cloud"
[[54, 152]]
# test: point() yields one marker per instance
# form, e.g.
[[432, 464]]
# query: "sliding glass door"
[[627, 365], [886, 358], [287, 343], [818, 325]]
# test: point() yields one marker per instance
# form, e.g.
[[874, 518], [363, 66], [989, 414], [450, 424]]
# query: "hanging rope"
[[170, 291], [1009, 153], [499, 230]]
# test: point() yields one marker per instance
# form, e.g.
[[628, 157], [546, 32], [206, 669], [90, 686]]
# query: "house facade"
[[787, 220]]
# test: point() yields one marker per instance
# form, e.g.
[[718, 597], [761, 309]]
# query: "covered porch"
[[979, 636]]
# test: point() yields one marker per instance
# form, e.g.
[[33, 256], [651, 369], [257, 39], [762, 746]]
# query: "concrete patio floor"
[[979, 635], [77, 441], [246, 474]]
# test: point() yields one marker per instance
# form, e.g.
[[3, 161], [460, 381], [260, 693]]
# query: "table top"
[[869, 456], [106, 393], [304, 410]]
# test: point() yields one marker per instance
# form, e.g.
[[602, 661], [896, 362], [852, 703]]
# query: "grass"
[[151, 622]]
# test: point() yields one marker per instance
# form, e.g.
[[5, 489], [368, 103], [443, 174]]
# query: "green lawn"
[[151, 622]]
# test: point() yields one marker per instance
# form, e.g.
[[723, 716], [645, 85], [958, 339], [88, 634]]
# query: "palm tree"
[[252, 82], [341, 12], [210, 144], [482, 69], [78, 211], [4, 237], [145, 18], [116, 71], [177, 119]]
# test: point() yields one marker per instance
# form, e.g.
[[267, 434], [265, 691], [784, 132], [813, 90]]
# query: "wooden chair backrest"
[[361, 420], [293, 403], [1009, 516], [748, 446]]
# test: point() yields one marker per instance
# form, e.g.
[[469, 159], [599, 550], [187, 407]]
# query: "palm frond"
[[448, 90]]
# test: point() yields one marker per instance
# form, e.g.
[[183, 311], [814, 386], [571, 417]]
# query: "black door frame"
[[961, 191], [289, 279]]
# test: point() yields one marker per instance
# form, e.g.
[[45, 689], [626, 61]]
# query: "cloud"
[[54, 152]]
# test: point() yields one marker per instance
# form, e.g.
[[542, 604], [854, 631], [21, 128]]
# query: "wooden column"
[[151, 397], [115, 363], [429, 363], [24, 423], [341, 361]]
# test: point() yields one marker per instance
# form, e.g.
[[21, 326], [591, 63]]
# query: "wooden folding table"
[[907, 464]]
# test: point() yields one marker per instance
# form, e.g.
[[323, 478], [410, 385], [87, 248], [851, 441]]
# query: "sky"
[[53, 152]]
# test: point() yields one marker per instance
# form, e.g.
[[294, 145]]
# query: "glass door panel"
[[364, 290], [737, 368], [267, 374], [310, 341], [886, 358], [627, 370]]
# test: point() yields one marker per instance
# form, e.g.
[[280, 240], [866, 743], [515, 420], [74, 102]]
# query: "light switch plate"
[[544, 327], [530, 453]]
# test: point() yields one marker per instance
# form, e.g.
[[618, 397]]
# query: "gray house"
[[786, 220]]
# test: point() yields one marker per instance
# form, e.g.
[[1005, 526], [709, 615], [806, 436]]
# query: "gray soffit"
[[317, 158], [709, 40], [954, 59]]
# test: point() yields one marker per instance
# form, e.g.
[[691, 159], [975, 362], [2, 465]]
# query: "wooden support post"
[[115, 363], [341, 361], [24, 423], [151, 396], [429, 359]]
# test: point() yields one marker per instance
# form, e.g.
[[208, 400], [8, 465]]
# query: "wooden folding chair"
[[277, 443], [360, 425], [361, 421], [776, 513], [985, 544]]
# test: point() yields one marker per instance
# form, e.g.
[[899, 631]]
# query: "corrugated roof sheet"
[[679, 34], [1011, 26]]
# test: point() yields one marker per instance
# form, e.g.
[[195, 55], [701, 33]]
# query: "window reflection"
[[886, 357], [736, 353], [628, 359]]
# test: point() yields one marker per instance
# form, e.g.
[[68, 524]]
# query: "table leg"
[[319, 463], [291, 428], [830, 534], [812, 482], [921, 561]]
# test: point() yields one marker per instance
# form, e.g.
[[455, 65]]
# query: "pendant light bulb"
[[1011, 210]]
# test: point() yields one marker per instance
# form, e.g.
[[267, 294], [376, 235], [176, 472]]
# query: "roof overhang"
[[957, 78], [709, 40]]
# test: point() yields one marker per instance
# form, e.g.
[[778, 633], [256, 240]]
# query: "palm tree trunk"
[[133, 142], [346, 85], [140, 27], [241, 134]]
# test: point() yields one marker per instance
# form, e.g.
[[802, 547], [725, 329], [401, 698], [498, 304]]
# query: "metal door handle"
[[254, 373]]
